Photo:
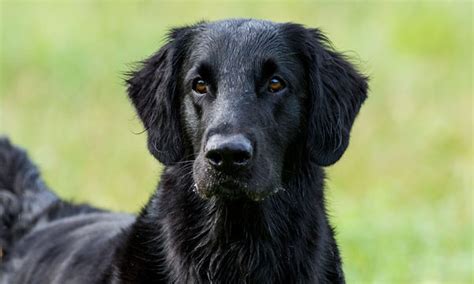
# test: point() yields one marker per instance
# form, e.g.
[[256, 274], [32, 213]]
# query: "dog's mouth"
[[253, 184], [232, 189]]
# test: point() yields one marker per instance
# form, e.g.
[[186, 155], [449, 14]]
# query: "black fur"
[[269, 226]]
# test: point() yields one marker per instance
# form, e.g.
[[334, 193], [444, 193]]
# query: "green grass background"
[[401, 197]]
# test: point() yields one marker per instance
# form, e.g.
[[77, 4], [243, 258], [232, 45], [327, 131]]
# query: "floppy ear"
[[154, 91], [336, 92]]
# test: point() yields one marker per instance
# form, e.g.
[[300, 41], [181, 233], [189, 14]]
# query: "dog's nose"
[[227, 153]]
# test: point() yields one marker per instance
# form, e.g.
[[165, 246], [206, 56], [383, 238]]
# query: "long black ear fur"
[[154, 91], [336, 91]]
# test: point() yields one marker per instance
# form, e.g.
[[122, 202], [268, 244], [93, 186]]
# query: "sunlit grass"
[[401, 197]]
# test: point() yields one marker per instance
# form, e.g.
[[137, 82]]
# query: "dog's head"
[[246, 102]]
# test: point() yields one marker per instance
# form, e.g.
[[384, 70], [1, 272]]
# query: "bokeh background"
[[401, 197]]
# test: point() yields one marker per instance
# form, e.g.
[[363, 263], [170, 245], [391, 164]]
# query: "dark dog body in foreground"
[[243, 114]]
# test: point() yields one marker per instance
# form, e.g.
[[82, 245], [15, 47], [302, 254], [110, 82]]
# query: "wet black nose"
[[227, 153]]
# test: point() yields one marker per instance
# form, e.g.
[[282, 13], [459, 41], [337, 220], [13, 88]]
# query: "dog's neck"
[[206, 239]]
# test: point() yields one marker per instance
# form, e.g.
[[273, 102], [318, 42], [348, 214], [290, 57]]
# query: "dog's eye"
[[200, 86], [275, 85]]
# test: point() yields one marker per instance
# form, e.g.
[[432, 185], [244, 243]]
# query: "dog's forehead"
[[239, 40], [241, 27]]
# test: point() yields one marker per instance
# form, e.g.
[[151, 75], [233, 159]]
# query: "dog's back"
[[45, 236]]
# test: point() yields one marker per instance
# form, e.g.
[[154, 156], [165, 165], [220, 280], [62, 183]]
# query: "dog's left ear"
[[336, 92], [154, 91]]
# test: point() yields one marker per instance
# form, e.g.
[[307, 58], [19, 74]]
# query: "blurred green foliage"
[[401, 197]]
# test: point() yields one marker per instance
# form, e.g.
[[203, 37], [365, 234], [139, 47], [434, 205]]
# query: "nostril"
[[215, 158], [241, 157]]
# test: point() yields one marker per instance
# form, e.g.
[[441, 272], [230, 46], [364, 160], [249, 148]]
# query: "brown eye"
[[275, 85], [200, 86]]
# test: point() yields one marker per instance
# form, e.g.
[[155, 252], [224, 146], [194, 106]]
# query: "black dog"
[[243, 114]]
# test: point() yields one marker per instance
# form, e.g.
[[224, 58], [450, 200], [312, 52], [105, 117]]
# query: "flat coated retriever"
[[244, 114]]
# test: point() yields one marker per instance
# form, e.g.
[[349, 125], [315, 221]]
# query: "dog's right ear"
[[336, 91], [154, 91]]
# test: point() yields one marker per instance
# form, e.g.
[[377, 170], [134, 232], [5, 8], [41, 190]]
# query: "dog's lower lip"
[[227, 187], [230, 184]]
